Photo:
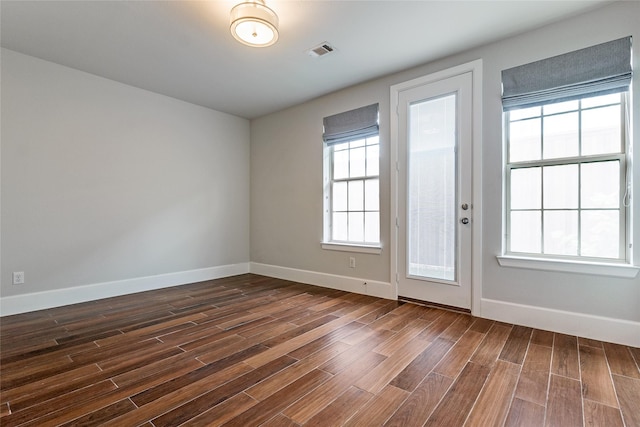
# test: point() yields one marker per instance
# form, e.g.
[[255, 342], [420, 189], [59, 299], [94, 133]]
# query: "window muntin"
[[566, 167], [354, 192]]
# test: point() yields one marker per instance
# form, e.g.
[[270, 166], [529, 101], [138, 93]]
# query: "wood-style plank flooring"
[[251, 350]]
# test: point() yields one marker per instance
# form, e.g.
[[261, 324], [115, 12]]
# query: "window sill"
[[346, 247], [625, 271]]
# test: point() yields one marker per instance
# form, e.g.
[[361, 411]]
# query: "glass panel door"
[[434, 211]]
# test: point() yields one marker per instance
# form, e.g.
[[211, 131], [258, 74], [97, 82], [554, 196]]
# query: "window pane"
[[595, 101], [340, 164], [600, 185], [356, 195], [526, 188], [599, 234], [560, 107], [373, 160], [339, 196], [524, 113], [373, 140], [560, 187], [561, 232], [339, 226], [372, 195], [341, 146], [371, 227], [524, 140], [357, 143], [561, 136], [601, 131], [357, 162], [526, 231], [356, 226]]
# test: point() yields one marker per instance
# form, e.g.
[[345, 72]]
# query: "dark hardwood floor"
[[251, 350]]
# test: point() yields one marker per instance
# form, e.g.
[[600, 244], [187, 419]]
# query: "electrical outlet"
[[18, 277], [352, 262]]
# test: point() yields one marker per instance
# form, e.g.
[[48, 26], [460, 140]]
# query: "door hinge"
[[397, 222]]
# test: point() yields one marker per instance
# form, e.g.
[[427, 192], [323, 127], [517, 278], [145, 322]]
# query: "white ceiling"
[[184, 49]]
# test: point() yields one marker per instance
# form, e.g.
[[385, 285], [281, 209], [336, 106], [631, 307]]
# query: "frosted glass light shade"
[[254, 24]]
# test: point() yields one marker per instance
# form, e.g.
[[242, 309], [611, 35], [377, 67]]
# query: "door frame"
[[475, 68]]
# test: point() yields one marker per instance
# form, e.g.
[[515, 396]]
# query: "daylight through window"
[[566, 175], [355, 199]]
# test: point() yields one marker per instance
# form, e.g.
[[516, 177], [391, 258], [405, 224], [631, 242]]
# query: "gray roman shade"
[[350, 125], [596, 70]]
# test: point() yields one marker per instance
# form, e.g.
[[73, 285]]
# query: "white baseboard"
[[343, 283], [570, 323], [55, 298], [584, 325]]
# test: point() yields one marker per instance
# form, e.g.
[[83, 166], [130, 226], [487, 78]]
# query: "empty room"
[[319, 213]]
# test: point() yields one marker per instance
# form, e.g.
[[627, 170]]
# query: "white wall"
[[104, 183], [286, 186]]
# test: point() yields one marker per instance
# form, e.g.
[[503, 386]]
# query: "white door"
[[434, 193]]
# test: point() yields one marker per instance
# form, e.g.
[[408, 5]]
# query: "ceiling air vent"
[[321, 50]]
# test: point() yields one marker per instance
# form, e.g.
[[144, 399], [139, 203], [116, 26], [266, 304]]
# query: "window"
[[354, 189], [351, 178], [566, 175], [567, 148]]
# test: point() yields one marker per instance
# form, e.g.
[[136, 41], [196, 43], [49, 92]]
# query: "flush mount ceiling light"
[[254, 24]]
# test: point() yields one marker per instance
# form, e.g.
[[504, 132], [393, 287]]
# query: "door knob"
[[465, 220], [464, 206]]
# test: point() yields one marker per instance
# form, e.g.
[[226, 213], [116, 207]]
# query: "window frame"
[[543, 260], [328, 166]]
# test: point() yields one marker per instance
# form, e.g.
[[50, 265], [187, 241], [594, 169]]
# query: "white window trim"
[[350, 247], [625, 271]]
